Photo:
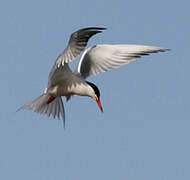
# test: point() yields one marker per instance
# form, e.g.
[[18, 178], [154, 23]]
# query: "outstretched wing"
[[77, 43], [104, 57]]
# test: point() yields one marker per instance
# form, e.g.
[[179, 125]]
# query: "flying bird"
[[94, 60]]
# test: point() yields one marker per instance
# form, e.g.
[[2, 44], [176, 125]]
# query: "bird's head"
[[97, 94]]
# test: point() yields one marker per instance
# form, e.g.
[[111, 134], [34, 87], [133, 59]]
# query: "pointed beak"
[[99, 104]]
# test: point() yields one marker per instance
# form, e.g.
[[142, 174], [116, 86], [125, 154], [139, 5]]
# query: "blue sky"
[[144, 130]]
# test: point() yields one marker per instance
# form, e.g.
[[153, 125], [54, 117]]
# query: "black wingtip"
[[166, 49], [98, 29], [102, 28]]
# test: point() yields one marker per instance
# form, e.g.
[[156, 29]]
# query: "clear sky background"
[[143, 133]]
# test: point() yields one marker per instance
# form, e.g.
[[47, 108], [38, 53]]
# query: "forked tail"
[[46, 104]]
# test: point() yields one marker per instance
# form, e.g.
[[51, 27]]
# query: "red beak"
[[99, 104]]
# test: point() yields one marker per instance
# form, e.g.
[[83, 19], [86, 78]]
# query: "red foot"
[[51, 98]]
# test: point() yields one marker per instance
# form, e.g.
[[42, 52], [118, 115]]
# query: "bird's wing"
[[77, 43], [58, 75], [103, 57]]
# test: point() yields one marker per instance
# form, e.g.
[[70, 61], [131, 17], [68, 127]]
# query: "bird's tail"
[[47, 104]]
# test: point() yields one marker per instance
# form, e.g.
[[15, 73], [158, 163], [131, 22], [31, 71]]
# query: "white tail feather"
[[40, 105]]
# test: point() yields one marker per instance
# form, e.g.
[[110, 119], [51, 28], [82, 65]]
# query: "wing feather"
[[104, 57], [77, 43]]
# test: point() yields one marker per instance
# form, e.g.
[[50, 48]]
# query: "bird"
[[62, 81]]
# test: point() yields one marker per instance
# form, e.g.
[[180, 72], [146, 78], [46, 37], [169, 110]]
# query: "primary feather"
[[104, 57], [77, 43]]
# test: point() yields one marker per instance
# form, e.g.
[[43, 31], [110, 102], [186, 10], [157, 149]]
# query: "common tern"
[[94, 60]]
